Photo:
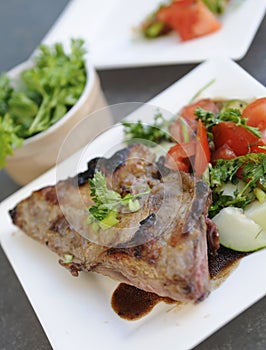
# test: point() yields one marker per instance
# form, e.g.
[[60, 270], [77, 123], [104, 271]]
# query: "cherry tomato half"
[[256, 113]]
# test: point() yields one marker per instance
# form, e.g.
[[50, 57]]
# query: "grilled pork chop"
[[161, 248]]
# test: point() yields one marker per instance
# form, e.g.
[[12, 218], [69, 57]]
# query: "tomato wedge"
[[178, 156], [189, 18], [188, 112], [223, 152], [236, 137], [203, 154], [255, 112]]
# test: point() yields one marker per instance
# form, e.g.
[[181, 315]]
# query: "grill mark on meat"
[[202, 193], [212, 237], [13, 214], [51, 196], [60, 225], [145, 232], [102, 164], [162, 169], [83, 178]]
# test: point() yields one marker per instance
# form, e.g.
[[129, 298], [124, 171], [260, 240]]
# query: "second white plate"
[[108, 25]]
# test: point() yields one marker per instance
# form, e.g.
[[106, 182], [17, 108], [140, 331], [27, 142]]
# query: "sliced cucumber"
[[257, 212], [234, 104], [238, 232]]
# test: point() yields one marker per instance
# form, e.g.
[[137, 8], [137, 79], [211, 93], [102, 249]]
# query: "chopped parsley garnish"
[[210, 119], [104, 213], [252, 170], [156, 133]]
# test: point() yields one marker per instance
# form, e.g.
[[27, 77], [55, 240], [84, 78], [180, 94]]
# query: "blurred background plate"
[[108, 26]]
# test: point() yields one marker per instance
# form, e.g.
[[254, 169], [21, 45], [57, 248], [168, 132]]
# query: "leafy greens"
[[155, 133], [210, 119], [252, 169], [43, 96]]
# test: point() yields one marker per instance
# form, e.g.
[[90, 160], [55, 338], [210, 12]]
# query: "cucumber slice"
[[257, 212], [234, 104], [238, 232]]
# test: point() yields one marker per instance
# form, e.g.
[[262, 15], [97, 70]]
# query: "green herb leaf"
[[108, 202], [253, 173], [157, 132], [8, 138], [230, 115]]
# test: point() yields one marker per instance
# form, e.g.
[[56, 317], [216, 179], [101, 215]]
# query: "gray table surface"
[[23, 23]]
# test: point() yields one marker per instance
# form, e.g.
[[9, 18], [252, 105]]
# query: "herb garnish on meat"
[[104, 213]]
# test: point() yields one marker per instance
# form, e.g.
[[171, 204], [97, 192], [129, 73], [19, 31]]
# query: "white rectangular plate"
[[76, 312], [108, 27]]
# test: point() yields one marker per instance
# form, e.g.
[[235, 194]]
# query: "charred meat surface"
[[162, 248]]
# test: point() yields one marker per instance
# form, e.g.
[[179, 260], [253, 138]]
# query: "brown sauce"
[[131, 303]]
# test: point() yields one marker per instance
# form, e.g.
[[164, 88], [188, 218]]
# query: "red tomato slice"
[[223, 152], [189, 18], [188, 112], [178, 156], [203, 154], [256, 113], [237, 138]]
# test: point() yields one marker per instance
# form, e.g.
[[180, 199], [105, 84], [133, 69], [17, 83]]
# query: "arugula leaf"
[[104, 214], [8, 138], [210, 119], [253, 172], [155, 133]]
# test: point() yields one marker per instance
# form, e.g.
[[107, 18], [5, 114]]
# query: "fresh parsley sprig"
[[46, 92], [104, 213], [8, 138], [157, 132], [252, 170], [210, 119]]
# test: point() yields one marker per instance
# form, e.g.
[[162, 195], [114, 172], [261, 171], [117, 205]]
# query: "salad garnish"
[[223, 142], [230, 115], [250, 168]]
